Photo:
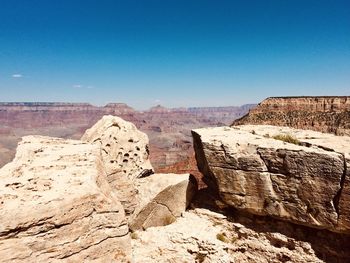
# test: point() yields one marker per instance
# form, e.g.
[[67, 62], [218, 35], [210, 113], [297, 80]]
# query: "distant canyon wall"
[[325, 114], [168, 129]]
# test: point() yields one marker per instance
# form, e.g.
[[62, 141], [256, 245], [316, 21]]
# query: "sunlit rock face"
[[125, 155], [57, 205], [324, 114], [306, 182]]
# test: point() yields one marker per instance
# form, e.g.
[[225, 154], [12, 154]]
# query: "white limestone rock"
[[306, 184], [56, 205], [125, 155]]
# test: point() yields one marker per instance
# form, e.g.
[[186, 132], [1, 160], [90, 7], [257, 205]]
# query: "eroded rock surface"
[[306, 184], [124, 151], [56, 205], [162, 199], [124, 148], [205, 236], [323, 113]]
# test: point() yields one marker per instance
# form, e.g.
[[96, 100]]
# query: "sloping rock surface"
[[56, 205], [162, 199], [205, 236], [306, 184]]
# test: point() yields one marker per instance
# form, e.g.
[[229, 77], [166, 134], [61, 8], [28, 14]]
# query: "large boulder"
[[162, 199], [124, 151], [56, 205], [305, 183], [124, 148]]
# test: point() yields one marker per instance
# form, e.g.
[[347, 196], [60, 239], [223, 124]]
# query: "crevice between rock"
[[337, 196], [92, 245], [161, 204]]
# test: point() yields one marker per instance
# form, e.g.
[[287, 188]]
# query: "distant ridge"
[[320, 113], [119, 105]]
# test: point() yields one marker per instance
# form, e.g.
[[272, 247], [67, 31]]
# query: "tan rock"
[[162, 199], [322, 113], [56, 205], [124, 148], [201, 235], [305, 184], [124, 151]]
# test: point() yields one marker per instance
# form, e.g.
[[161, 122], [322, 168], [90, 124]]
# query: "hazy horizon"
[[173, 53]]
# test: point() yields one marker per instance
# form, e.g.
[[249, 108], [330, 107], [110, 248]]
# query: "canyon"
[[324, 113], [97, 198], [176, 185], [168, 129]]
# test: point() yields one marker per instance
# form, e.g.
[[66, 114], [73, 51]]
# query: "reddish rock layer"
[[325, 114], [168, 129]]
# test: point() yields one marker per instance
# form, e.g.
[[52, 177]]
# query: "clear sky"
[[173, 52]]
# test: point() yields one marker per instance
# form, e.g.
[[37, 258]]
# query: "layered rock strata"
[[306, 183], [168, 129], [56, 205], [324, 114]]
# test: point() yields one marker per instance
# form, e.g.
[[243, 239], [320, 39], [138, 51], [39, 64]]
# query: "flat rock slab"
[[306, 183], [56, 204]]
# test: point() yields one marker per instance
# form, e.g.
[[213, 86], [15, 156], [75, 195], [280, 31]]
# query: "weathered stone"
[[343, 198], [201, 235], [321, 113], [124, 151], [56, 205], [124, 148], [162, 198], [305, 184]]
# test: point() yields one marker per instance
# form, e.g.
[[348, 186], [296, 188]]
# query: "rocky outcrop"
[[59, 201], [66, 199], [158, 199], [324, 114], [124, 148], [56, 205], [205, 236], [124, 151], [305, 183], [162, 199]]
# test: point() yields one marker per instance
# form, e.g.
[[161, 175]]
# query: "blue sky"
[[173, 52]]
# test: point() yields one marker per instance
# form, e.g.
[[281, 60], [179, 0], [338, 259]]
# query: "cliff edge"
[[325, 114]]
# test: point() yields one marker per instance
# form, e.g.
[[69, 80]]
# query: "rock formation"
[[306, 183], [324, 114], [124, 151], [56, 204], [167, 129], [162, 199], [205, 236], [76, 201], [66, 199]]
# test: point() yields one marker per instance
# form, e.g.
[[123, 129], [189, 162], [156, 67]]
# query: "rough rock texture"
[[162, 199], [124, 151], [56, 205], [205, 236], [124, 148], [306, 184], [325, 114]]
